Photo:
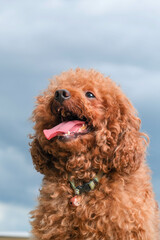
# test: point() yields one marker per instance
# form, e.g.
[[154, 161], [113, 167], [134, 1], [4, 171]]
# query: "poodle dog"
[[88, 146]]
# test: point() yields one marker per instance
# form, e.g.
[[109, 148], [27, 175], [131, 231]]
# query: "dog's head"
[[83, 122]]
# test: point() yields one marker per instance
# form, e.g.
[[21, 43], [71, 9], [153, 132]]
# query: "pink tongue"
[[62, 128]]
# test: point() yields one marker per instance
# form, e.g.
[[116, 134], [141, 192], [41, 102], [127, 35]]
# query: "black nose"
[[61, 95]]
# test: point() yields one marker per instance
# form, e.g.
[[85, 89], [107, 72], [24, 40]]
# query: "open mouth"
[[70, 127]]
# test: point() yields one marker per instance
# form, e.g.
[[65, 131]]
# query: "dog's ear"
[[130, 151], [131, 143], [127, 145], [41, 160]]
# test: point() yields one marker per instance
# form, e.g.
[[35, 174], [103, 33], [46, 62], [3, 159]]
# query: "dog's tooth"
[[83, 127], [80, 129], [68, 133]]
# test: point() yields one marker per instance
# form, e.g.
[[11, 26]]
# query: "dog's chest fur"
[[102, 213]]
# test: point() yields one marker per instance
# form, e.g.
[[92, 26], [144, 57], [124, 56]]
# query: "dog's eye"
[[90, 95]]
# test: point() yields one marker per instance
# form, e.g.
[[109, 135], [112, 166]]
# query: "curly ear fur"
[[122, 144], [130, 152], [131, 143], [41, 160]]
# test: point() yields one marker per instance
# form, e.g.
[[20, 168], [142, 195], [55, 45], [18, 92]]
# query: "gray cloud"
[[18, 175], [13, 216], [125, 35]]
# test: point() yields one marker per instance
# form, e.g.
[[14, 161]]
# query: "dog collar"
[[86, 187]]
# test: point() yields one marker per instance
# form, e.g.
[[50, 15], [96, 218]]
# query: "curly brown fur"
[[122, 206]]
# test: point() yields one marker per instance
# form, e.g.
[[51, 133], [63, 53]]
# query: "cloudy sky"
[[39, 39]]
